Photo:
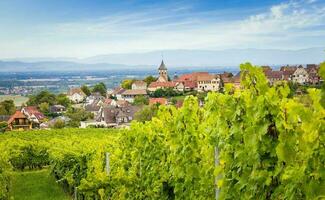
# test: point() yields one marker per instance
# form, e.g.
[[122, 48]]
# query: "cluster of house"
[[30, 117], [116, 108], [112, 110], [308, 75], [199, 81]]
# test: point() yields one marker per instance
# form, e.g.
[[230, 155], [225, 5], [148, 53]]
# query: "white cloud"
[[286, 25]]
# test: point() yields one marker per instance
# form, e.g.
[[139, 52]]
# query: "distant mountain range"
[[173, 58]]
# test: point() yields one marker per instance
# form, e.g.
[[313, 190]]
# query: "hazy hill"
[[173, 59]]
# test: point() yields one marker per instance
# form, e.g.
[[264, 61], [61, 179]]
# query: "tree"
[[7, 107], [43, 96], [147, 113], [44, 107], [141, 100], [77, 115], [58, 124], [86, 90], [168, 92], [63, 100], [101, 88], [127, 84], [149, 79]]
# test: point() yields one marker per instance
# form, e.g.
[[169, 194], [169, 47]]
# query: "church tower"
[[163, 76]]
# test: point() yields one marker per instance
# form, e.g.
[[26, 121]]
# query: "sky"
[[85, 28]]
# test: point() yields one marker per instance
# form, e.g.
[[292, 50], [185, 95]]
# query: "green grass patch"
[[36, 185]]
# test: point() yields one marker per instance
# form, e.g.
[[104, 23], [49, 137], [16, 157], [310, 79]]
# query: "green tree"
[[141, 100], [7, 107], [77, 115], [58, 124], [63, 100], [44, 107], [149, 79], [101, 88], [41, 97], [86, 90], [127, 84], [146, 113]]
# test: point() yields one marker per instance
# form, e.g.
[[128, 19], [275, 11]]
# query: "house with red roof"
[[19, 121], [208, 82], [33, 114]]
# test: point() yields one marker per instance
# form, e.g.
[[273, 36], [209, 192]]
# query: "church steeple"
[[163, 76], [162, 66]]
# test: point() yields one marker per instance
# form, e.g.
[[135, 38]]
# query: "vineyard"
[[253, 143]]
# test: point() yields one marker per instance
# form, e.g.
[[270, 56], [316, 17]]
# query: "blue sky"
[[80, 28]]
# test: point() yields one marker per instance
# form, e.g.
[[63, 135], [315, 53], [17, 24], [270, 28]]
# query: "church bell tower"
[[163, 76]]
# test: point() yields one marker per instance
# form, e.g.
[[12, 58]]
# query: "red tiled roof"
[[161, 101], [17, 115], [190, 84], [31, 109], [190, 77]]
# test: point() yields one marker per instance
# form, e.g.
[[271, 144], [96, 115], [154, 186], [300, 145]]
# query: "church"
[[162, 70], [162, 81]]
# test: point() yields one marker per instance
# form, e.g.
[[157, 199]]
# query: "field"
[[36, 185], [37, 155], [18, 100]]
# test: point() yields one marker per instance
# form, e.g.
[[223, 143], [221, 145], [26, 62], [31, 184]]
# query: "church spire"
[[162, 66]]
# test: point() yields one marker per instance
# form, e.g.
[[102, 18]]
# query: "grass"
[[36, 185], [18, 100]]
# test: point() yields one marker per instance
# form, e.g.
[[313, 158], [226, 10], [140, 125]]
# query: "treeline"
[[253, 143]]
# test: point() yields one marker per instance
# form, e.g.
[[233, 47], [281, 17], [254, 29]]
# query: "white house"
[[208, 82], [300, 75], [129, 95], [139, 85], [76, 95]]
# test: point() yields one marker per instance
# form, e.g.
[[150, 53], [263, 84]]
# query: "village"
[[141, 98]]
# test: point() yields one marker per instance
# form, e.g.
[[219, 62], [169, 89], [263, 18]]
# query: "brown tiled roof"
[[206, 77], [94, 107], [161, 101], [76, 90], [162, 84], [135, 92], [118, 90], [17, 115], [122, 103], [111, 112], [288, 68], [273, 74]]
